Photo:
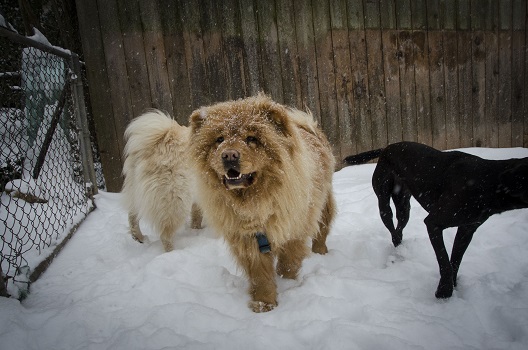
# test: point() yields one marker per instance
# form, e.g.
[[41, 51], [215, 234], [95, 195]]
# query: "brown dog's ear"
[[278, 115], [197, 119]]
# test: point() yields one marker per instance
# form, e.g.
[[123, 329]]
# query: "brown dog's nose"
[[230, 155]]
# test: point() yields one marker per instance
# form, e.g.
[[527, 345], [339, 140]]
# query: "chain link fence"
[[47, 176]]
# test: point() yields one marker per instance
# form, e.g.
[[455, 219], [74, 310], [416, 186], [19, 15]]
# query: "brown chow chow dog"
[[264, 177]]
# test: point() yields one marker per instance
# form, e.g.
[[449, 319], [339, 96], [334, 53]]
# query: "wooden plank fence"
[[448, 73]]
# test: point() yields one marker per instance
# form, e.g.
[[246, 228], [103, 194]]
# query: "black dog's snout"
[[231, 158]]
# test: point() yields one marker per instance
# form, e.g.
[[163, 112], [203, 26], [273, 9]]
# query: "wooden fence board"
[[419, 14], [109, 148], [450, 14], [492, 88], [505, 78], [387, 15], [177, 70], [451, 89], [291, 82], [269, 49], [343, 79], [465, 88], [116, 68], [518, 90], [360, 87], [505, 14], [436, 74], [231, 27], [362, 123], [437, 20], [423, 95], [448, 73], [326, 71], [307, 59], [464, 73], [355, 14], [478, 87], [391, 66], [525, 133], [408, 86], [134, 51], [403, 14], [155, 55], [505, 73], [194, 53], [463, 15], [210, 24], [251, 48], [371, 13], [376, 81], [376, 88]]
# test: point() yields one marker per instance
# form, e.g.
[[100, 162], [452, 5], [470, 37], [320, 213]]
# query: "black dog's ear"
[[197, 119], [516, 180]]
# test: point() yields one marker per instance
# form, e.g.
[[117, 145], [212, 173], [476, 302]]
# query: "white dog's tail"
[[147, 130]]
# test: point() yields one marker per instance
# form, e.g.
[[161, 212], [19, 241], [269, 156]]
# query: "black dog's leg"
[[402, 201], [462, 240], [386, 216], [445, 286], [383, 184]]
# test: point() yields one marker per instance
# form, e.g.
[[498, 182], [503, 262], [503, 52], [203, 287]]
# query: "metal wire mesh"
[[44, 181]]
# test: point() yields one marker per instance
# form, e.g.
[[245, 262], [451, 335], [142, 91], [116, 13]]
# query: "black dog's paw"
[[444, 290], [397, 237]]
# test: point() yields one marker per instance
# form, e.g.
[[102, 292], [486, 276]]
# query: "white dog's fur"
[[157, 184]]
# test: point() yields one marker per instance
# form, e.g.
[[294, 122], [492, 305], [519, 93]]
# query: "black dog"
[[456, 189]]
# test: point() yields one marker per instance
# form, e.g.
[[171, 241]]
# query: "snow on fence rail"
[[47, 177]]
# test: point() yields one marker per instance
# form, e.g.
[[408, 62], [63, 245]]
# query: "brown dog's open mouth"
[[233, 179]]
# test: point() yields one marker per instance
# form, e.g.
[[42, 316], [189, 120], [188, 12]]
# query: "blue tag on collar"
[[263, 243]]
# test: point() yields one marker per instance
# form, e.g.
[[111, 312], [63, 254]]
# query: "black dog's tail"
[[362, 157]]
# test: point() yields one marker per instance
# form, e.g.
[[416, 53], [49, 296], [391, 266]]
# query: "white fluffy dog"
[[158, 186]]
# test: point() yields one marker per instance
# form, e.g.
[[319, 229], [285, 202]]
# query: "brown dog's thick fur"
[[263, 167]]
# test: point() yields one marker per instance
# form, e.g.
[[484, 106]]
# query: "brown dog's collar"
[[263, 243]]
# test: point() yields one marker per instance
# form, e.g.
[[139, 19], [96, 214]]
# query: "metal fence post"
[[3, 289], [82, 120]]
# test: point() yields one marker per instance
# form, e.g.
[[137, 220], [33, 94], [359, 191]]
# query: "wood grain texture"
[[447, 73]]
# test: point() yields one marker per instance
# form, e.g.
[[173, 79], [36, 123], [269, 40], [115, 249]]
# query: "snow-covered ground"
[[106, 291]]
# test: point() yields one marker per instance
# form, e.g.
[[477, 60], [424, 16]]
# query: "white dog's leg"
[[167, 234], [134, 228], [196, 216]]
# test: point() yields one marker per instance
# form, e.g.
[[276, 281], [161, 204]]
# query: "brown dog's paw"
[[286, 272], [319, 248], [261, 306]]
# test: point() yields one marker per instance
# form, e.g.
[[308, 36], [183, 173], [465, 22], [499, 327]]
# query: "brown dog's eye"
[[251, 139], [220, 140]]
